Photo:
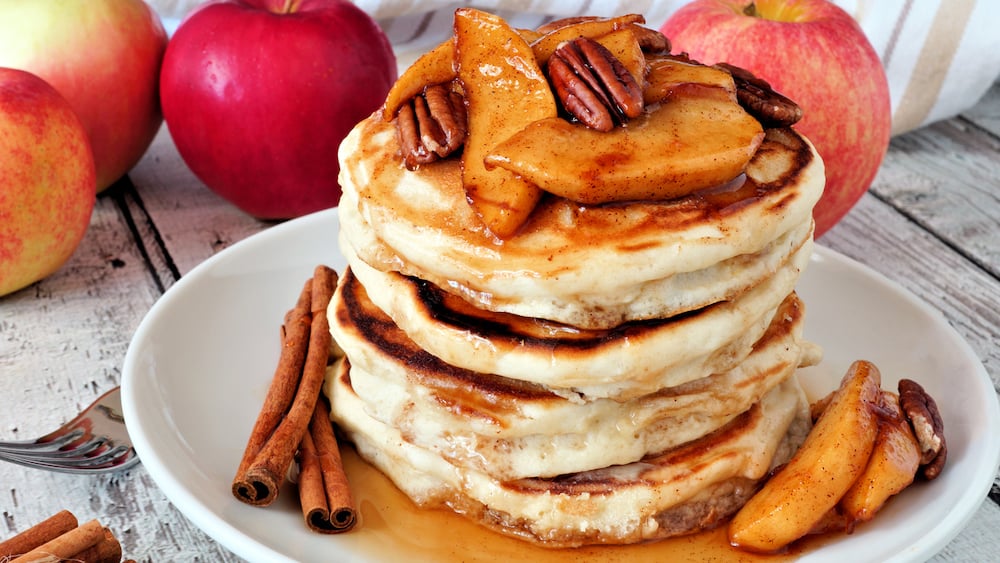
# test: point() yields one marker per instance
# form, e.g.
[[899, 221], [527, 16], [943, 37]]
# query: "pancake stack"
[[610, 374]]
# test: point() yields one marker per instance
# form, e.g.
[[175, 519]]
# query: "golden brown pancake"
[[626, 361], [685, 489], [510, 428], [587, 266]]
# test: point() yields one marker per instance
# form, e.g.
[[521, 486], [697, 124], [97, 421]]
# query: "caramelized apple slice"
[[691, 143], [667, 74], [624, 46], [892, 467], [592, 28], [830, 460], [433, 67], [505, 90]]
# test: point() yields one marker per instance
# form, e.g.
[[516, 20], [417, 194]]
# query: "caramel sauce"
[[392, 528]]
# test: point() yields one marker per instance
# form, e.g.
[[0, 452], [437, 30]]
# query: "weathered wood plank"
[[946, 177], [62, 342], [192, 221], [978, 541]]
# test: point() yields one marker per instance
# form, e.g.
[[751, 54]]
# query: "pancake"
[[624, 362], [588, 266], [682, 490], [511, 429]]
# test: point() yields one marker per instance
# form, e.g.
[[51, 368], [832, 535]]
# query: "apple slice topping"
[[505, 91], [433, 67], [591, 28], [624, 45], [691, 143], [642, 124]]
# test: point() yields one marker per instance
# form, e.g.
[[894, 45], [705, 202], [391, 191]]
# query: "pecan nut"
[[650, 40], [432, 125], [928, 426], [760, 100], [593, 85]]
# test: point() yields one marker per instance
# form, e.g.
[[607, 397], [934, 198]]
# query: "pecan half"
[[593, 85], [928, 426], [650, 40], [432, 125], [760, 100]]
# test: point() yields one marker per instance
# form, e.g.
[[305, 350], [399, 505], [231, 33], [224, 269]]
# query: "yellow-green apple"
[[104, 57], [47, 181], [816, 54], [258, 95]]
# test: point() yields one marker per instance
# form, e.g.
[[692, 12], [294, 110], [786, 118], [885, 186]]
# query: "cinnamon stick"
[[280, 394], [44, 531], [327, 504], [65, 546], [266, 471]]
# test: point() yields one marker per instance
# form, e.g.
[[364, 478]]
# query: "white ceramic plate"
[[200, 363]]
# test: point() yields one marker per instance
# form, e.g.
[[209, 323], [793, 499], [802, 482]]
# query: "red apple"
[[258, 95], [104, 57], [816, 54], [47, 180]]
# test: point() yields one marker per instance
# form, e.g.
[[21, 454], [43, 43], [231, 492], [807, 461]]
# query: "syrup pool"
[[392, 528]]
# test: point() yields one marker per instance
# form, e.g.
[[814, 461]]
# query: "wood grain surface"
[[930, 223]]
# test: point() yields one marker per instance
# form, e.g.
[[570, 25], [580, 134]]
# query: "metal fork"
[[94, 442]]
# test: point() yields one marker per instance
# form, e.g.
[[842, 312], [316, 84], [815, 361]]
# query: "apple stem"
[[751, 10], [290, 6]]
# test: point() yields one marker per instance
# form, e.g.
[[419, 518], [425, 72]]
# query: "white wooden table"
[[931, 222]]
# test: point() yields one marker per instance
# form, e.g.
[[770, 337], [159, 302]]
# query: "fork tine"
[[37, 446], [96, 441], [83, 449], [117, 458], [83, 460]]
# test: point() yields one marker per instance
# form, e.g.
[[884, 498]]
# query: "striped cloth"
[[940, 56]]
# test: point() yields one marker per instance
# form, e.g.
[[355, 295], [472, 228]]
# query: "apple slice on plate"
[[505, 90], [833, 456], [689, 143], [891, 468]]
